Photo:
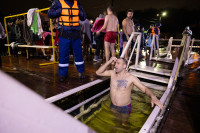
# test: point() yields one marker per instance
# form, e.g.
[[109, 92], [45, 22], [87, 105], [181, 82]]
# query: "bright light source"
[[164, 13], [91, 21]]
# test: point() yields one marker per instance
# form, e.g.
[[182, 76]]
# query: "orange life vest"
[[155, 30], [69, 15]]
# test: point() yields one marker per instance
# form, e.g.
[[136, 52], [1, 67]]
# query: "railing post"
[[127, 45], [52, 41], [138, 49], [157, 43], [152, 44], [190, 50], [186, 49], [7, 35]]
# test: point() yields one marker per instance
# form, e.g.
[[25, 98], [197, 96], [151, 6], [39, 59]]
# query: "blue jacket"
[[56, 9]]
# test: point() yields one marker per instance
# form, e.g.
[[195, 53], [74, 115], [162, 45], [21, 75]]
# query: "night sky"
[[94, 7], [180, 12]]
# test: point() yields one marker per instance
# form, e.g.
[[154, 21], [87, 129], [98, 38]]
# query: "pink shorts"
[[110, 36]]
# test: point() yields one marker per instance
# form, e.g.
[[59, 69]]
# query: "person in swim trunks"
[[128, 29], [111, 26], [121, 83]]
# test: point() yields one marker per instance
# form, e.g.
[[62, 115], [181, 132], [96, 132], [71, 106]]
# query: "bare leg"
[[112, 49], [43, 51], [126, 54], [107, 50]]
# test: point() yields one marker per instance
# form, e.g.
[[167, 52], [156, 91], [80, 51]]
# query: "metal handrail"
[[178, 62], [138, 41]]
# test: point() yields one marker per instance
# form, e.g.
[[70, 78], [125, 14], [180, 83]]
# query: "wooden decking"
[[44, 80]]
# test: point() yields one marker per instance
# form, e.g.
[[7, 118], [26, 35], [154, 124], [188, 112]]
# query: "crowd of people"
[[102, 35]]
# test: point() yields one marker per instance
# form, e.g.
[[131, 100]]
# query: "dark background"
[[180, 13]]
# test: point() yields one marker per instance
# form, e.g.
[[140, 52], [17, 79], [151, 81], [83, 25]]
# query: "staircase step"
[[163, 60], [150, 77], [152, 70], [154, 86]]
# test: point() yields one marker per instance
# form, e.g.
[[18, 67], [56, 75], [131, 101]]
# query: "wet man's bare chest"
[[129, 24], [120, 83]]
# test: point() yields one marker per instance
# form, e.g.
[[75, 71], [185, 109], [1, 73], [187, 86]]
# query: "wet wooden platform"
[[44, 80], [184, 113]]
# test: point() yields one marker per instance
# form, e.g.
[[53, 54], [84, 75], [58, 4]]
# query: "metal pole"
[[157, 42], [138, 49], [52, 40], [7, 35], [152, 44], [192, 43], [127, 45], [136, 42]]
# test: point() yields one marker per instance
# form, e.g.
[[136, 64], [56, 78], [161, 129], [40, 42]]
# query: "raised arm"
[[102, 70], [147, 91]]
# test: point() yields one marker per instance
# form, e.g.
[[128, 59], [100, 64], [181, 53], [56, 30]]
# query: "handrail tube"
[[158, 54], [131, 54], [190, 50], [127, 45], [72, 91], [152, 43], [186, 50], [86, 101], [137, 42], [138, 49]]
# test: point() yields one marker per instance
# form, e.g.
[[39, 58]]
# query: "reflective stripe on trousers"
[[64, 51]]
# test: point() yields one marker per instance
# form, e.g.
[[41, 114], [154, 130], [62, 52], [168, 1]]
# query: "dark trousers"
[[99, 43]]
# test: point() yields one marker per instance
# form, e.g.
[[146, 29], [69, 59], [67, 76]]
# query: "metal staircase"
[[156, 78]]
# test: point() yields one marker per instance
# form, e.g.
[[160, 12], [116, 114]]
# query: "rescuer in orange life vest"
[[156, 30], [69, 13]]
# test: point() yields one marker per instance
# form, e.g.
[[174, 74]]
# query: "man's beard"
[[130, 17]]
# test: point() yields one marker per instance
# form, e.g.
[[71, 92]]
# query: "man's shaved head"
[[124, 60]]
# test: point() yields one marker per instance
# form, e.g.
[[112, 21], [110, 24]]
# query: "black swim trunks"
[[123, 109], [126, 40]]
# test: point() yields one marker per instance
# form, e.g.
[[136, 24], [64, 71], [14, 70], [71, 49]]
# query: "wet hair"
[[124, 60], [111, 8], [129, 10]]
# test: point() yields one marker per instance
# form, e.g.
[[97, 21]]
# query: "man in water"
[[111, 26], [121, 83], [128, 29]]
